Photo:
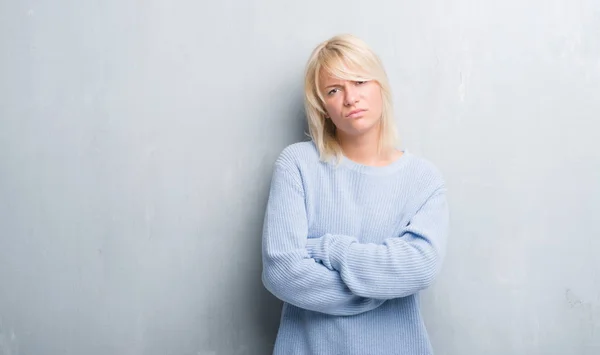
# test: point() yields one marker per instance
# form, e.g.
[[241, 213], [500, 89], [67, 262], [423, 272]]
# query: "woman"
[[354, 227]]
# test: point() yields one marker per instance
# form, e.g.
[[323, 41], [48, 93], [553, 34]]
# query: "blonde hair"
[[347, 58]]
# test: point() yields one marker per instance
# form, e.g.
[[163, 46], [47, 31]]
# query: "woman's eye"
[[361, 82], [332, 91]]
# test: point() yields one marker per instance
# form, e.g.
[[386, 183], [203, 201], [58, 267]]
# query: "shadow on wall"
[[269, 307], [8, 341]]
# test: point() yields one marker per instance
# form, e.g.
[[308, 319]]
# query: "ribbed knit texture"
[[348, 248]]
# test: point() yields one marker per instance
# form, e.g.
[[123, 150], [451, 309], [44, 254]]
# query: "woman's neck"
[[364, 150]]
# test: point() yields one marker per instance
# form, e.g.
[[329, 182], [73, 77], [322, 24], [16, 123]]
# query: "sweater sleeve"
[[398, 267], [289, 272]]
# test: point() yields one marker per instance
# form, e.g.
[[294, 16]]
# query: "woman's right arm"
[[289, 272]]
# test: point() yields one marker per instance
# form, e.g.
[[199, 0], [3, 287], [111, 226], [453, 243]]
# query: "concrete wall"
[[137, 140]]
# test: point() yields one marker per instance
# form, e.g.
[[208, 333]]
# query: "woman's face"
[[355, 107]]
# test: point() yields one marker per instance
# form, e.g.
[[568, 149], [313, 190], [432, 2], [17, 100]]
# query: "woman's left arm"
[[398, 267]]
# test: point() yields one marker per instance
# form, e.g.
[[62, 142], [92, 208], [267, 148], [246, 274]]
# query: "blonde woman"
[[354, 226]]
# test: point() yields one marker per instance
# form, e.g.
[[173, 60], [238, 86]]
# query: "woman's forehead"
[[340, 72], [326, 76]]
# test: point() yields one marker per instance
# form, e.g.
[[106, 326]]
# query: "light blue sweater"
[[348, 248]]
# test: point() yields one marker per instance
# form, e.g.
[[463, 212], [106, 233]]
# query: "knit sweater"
[[347, 249]]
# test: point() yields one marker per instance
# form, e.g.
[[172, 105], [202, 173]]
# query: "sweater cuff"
[[338, 248], [317, 249], [330, 249]]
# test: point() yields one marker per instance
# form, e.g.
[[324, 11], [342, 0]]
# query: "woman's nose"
[[350, 96]]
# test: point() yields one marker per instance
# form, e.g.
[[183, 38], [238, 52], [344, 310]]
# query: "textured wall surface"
[[137, 140]]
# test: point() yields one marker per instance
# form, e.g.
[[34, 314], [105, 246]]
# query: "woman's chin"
[[363, 126]]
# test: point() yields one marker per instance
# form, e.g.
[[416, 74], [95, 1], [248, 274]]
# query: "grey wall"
[[136, 143]]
